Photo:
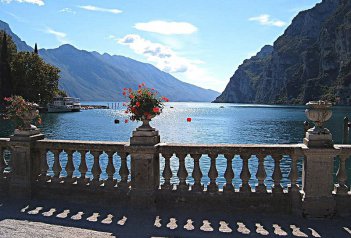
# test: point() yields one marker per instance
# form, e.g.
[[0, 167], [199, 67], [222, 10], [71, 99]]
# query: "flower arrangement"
[[144, 103], [22, 113]]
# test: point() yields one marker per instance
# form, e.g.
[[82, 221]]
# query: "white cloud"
[[167, 28], [164, 58], [266, 20], [169, 61], [99, 9], [68, 10], [60, 36], [37, 2]]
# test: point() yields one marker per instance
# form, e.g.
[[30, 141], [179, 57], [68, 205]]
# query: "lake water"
[[211, 124]]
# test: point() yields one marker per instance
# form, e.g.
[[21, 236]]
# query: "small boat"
[[64, 104]]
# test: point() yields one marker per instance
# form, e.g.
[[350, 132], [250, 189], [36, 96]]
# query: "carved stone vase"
[[319, 112], [27, 128]]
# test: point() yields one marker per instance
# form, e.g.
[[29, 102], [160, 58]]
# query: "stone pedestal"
[[317, 175], [22, 160], [145, 165], [317, 182], [318, 140]]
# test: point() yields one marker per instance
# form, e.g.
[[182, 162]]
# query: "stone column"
[[317, 176], [145, 165], [23, 162]]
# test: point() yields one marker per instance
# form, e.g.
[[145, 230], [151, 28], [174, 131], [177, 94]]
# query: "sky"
[[201, 42]]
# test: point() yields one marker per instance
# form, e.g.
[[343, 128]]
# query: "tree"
[[36, 49], [7, 51], [26, 74], [10, 47], [34, 79]]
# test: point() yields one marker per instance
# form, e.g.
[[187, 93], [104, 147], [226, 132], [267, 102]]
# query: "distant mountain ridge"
[[95, 77], [310, 61]]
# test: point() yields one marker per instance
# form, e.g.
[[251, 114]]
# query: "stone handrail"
[[63, 150], [246, 153]]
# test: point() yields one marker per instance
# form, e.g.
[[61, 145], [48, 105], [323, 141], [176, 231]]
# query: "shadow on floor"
[[131, 222]]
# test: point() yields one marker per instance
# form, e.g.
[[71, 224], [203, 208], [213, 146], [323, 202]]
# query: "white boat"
[[64, 104]]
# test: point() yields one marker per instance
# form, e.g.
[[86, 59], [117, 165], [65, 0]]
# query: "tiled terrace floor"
[[58, 219]]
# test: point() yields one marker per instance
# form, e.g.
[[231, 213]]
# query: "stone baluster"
[[277, 175], [96, 170], [182, 173], [69, 167], [167, 173], [197, 174], [43, 166], [82, 168], [110, 170], [123, 172], [213, 174], [341, 176], [261, 175], [56, 168], [293, 175], [2, 164], [245, 174], [229, 174]]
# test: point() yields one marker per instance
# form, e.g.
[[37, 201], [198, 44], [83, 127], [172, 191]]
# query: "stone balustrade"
[[299, 178], [65, 162], [255, 155]]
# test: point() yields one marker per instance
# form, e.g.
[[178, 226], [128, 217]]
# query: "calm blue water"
[[235, 123]]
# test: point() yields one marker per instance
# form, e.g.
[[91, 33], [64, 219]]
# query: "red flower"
[[165, 99], [137, 104], [156, 109], [126, 112], [131, 96], [124, 93], [130, 90], [125, 89], [126, 121], [188, 119]]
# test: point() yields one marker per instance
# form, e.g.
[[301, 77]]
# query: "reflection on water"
[[211, 124]]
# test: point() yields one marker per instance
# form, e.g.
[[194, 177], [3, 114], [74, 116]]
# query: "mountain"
[[95, 77], [310, 61], [21, 45]]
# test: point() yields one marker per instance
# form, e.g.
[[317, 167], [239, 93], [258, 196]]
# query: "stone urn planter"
[[23, 114], [319, 112]]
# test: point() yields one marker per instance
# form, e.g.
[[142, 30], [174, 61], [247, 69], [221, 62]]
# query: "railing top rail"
[[344, 149], [81, 145], [231, 148], [4, 141]]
